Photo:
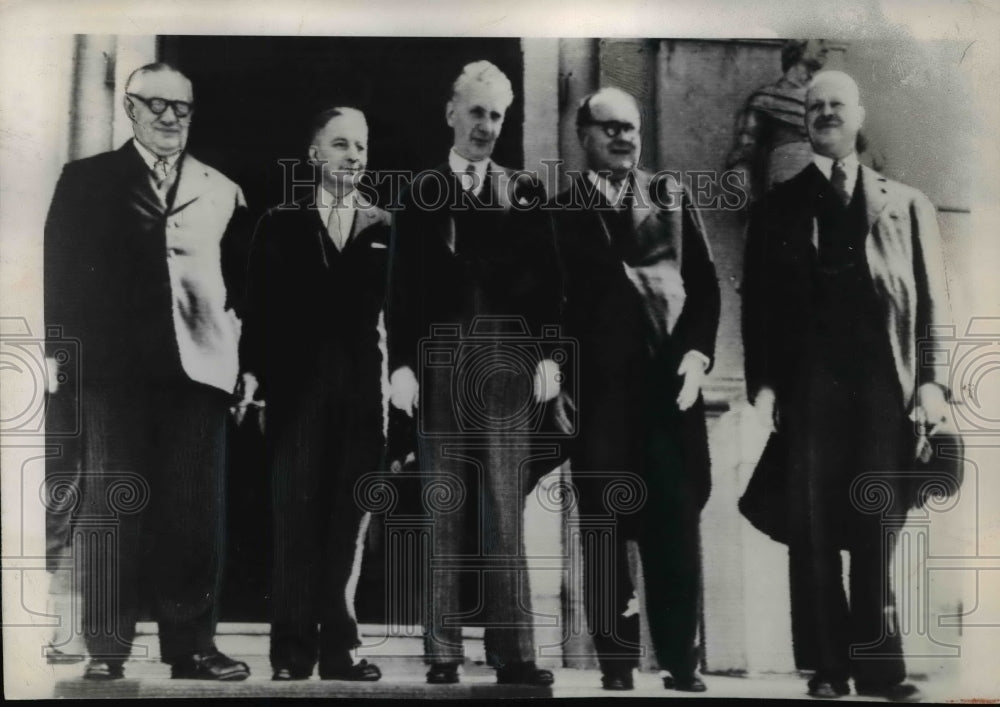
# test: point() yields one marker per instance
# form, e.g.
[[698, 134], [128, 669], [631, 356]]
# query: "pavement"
[[403, 677]]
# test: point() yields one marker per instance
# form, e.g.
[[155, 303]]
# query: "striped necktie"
[[838, 180]]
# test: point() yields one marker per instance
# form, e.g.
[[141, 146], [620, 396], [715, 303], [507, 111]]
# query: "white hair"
[[485, 72]]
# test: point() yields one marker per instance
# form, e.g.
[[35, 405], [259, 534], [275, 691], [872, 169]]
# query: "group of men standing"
[[146, 265]]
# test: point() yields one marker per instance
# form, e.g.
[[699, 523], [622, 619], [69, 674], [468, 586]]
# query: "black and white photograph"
[[494, 351]]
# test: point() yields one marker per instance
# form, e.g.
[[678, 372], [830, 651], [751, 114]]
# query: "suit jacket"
[[904, 258], [501, 263], [311, 310], [637, 293], [904, 255], [147, 288], [636, 308]]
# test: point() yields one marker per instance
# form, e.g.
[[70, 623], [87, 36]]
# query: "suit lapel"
[[643, 205], [364, 216], [193, 180], [874, 186]]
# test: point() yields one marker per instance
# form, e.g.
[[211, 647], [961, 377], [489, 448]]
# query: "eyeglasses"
[[613, 128], [182, 109]]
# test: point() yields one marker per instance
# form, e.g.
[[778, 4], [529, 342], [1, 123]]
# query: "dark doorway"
[[255, 97], [254, 100]]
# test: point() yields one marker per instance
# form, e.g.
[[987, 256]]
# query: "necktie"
[[621, 217], [838, 180], [626, 198], [469, 178], [160, 172], [333, 227]]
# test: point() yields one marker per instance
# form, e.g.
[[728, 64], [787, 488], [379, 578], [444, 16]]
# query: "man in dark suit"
[[144, 250], [311, 349], [843, 277], [642, 299], [461, 249]]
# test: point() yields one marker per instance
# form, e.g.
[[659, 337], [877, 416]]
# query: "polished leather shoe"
[[209, 666], [288, 675], [900, 692], [617, 680], [688, 683], [524, 674], [828, 689], [442, 674], [362, 671], [104, 670]]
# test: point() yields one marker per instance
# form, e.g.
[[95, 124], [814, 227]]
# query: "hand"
[[692, 368], [765, 409], [246, 388], [404, 391], [547, 381], [932, 407], [51, 375]]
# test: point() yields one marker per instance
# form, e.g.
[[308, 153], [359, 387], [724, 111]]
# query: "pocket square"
[[379, 245]]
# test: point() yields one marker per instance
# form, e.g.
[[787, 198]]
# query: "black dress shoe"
[[617, 680], [828, 689], [288, 675], [209, 666], [524, 674], [362, 671], [900, 692], [687, 683], [104, 670], [442, 674]]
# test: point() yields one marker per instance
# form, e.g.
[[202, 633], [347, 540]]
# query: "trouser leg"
[[449, 492], [107, 525], [187, 516], [509, 635], [296, 442], [357, 452], [671, 562], [819, 608]]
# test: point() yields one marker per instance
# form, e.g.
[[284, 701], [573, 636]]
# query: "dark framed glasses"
[[157, 105], [613, 128]]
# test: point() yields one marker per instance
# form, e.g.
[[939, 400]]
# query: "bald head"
[[608, 123], [834, 114]]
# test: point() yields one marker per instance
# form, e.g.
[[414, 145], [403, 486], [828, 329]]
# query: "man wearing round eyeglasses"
[[642, 300], [144, 259]]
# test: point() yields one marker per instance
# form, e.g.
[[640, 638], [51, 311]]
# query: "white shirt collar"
[[345, 205], [850, 163], [151, 158], [459, 165], [611, 191]]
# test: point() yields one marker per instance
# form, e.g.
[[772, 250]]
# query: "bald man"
[[144, 255], [642, 300], [843, 276]]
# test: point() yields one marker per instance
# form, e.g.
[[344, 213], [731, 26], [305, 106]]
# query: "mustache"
[[827, 122]]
